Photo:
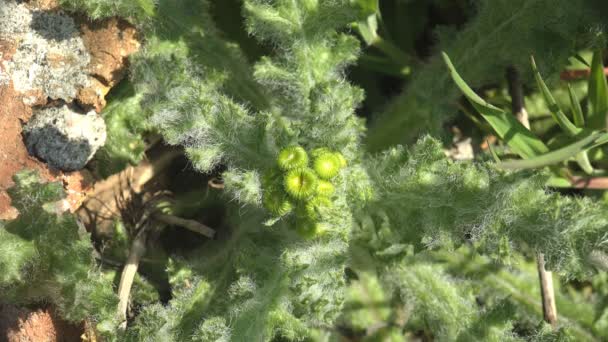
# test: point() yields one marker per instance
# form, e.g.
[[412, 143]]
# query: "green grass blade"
[[580, 58], [493, 153], [582, 159], [559, 155], [558, 115], [598, 93], [600, 141], [577, 111], [512, 132]]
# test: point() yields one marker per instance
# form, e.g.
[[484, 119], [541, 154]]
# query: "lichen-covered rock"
[[51, 59], [65, 139]]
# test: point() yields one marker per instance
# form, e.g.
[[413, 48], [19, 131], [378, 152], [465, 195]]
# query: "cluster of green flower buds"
[[303, 185]]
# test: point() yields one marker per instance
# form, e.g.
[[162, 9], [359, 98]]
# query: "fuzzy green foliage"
[[438, 203], [265, 283], [460, 295], [136, 10], [260, 280], [126, 122], [46, 256], [448, 311], [193, 102], [519, 286], [501, 34], [305, 78], [204, 101], [210, 102]]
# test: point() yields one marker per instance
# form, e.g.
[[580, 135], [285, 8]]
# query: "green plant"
[[578, 137], [46, 255], [317, 230], [501, 34]]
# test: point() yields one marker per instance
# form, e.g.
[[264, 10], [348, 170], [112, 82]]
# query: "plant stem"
[[517, 96], [547, 292], [188, 224], [137, 251], [399, 57], [384, 65]]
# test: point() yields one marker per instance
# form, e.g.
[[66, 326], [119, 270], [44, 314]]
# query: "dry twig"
[[546, 278], [191, 225]]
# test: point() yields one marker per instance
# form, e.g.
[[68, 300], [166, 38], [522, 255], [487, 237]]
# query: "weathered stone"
[[65, 139], [51, 59], [41, 58]]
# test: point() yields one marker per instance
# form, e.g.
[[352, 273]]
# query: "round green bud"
[[341, 158], [325, 188], [277, 203], [327, 165], [293, 157], [300, 183]]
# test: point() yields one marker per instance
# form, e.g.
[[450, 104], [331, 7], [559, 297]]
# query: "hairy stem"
[[393, 52]]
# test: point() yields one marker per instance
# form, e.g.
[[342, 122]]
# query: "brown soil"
[[42, 325]]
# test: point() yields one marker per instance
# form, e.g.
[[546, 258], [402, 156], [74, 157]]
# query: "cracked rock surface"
[[65, 139]]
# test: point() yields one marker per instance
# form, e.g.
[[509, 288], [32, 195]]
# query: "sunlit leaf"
[[577, 111], [580, 58], [582, 159], [521, 140], [598, 93], [556, 112], [493, 153], [368, 29], [559, 155]]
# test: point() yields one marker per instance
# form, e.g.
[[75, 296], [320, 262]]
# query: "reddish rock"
[[109, 43], [43, 5], [13, 154], [41, 325]]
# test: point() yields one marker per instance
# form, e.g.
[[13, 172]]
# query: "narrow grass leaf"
[[577, 111], [493, 153], [580, 58], [598, 93], [582, 159], [559, 155], [556, 112], [521, 140]]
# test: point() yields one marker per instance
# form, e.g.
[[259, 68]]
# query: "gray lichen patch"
[[65, 139], [51, 57], [15, 19]]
